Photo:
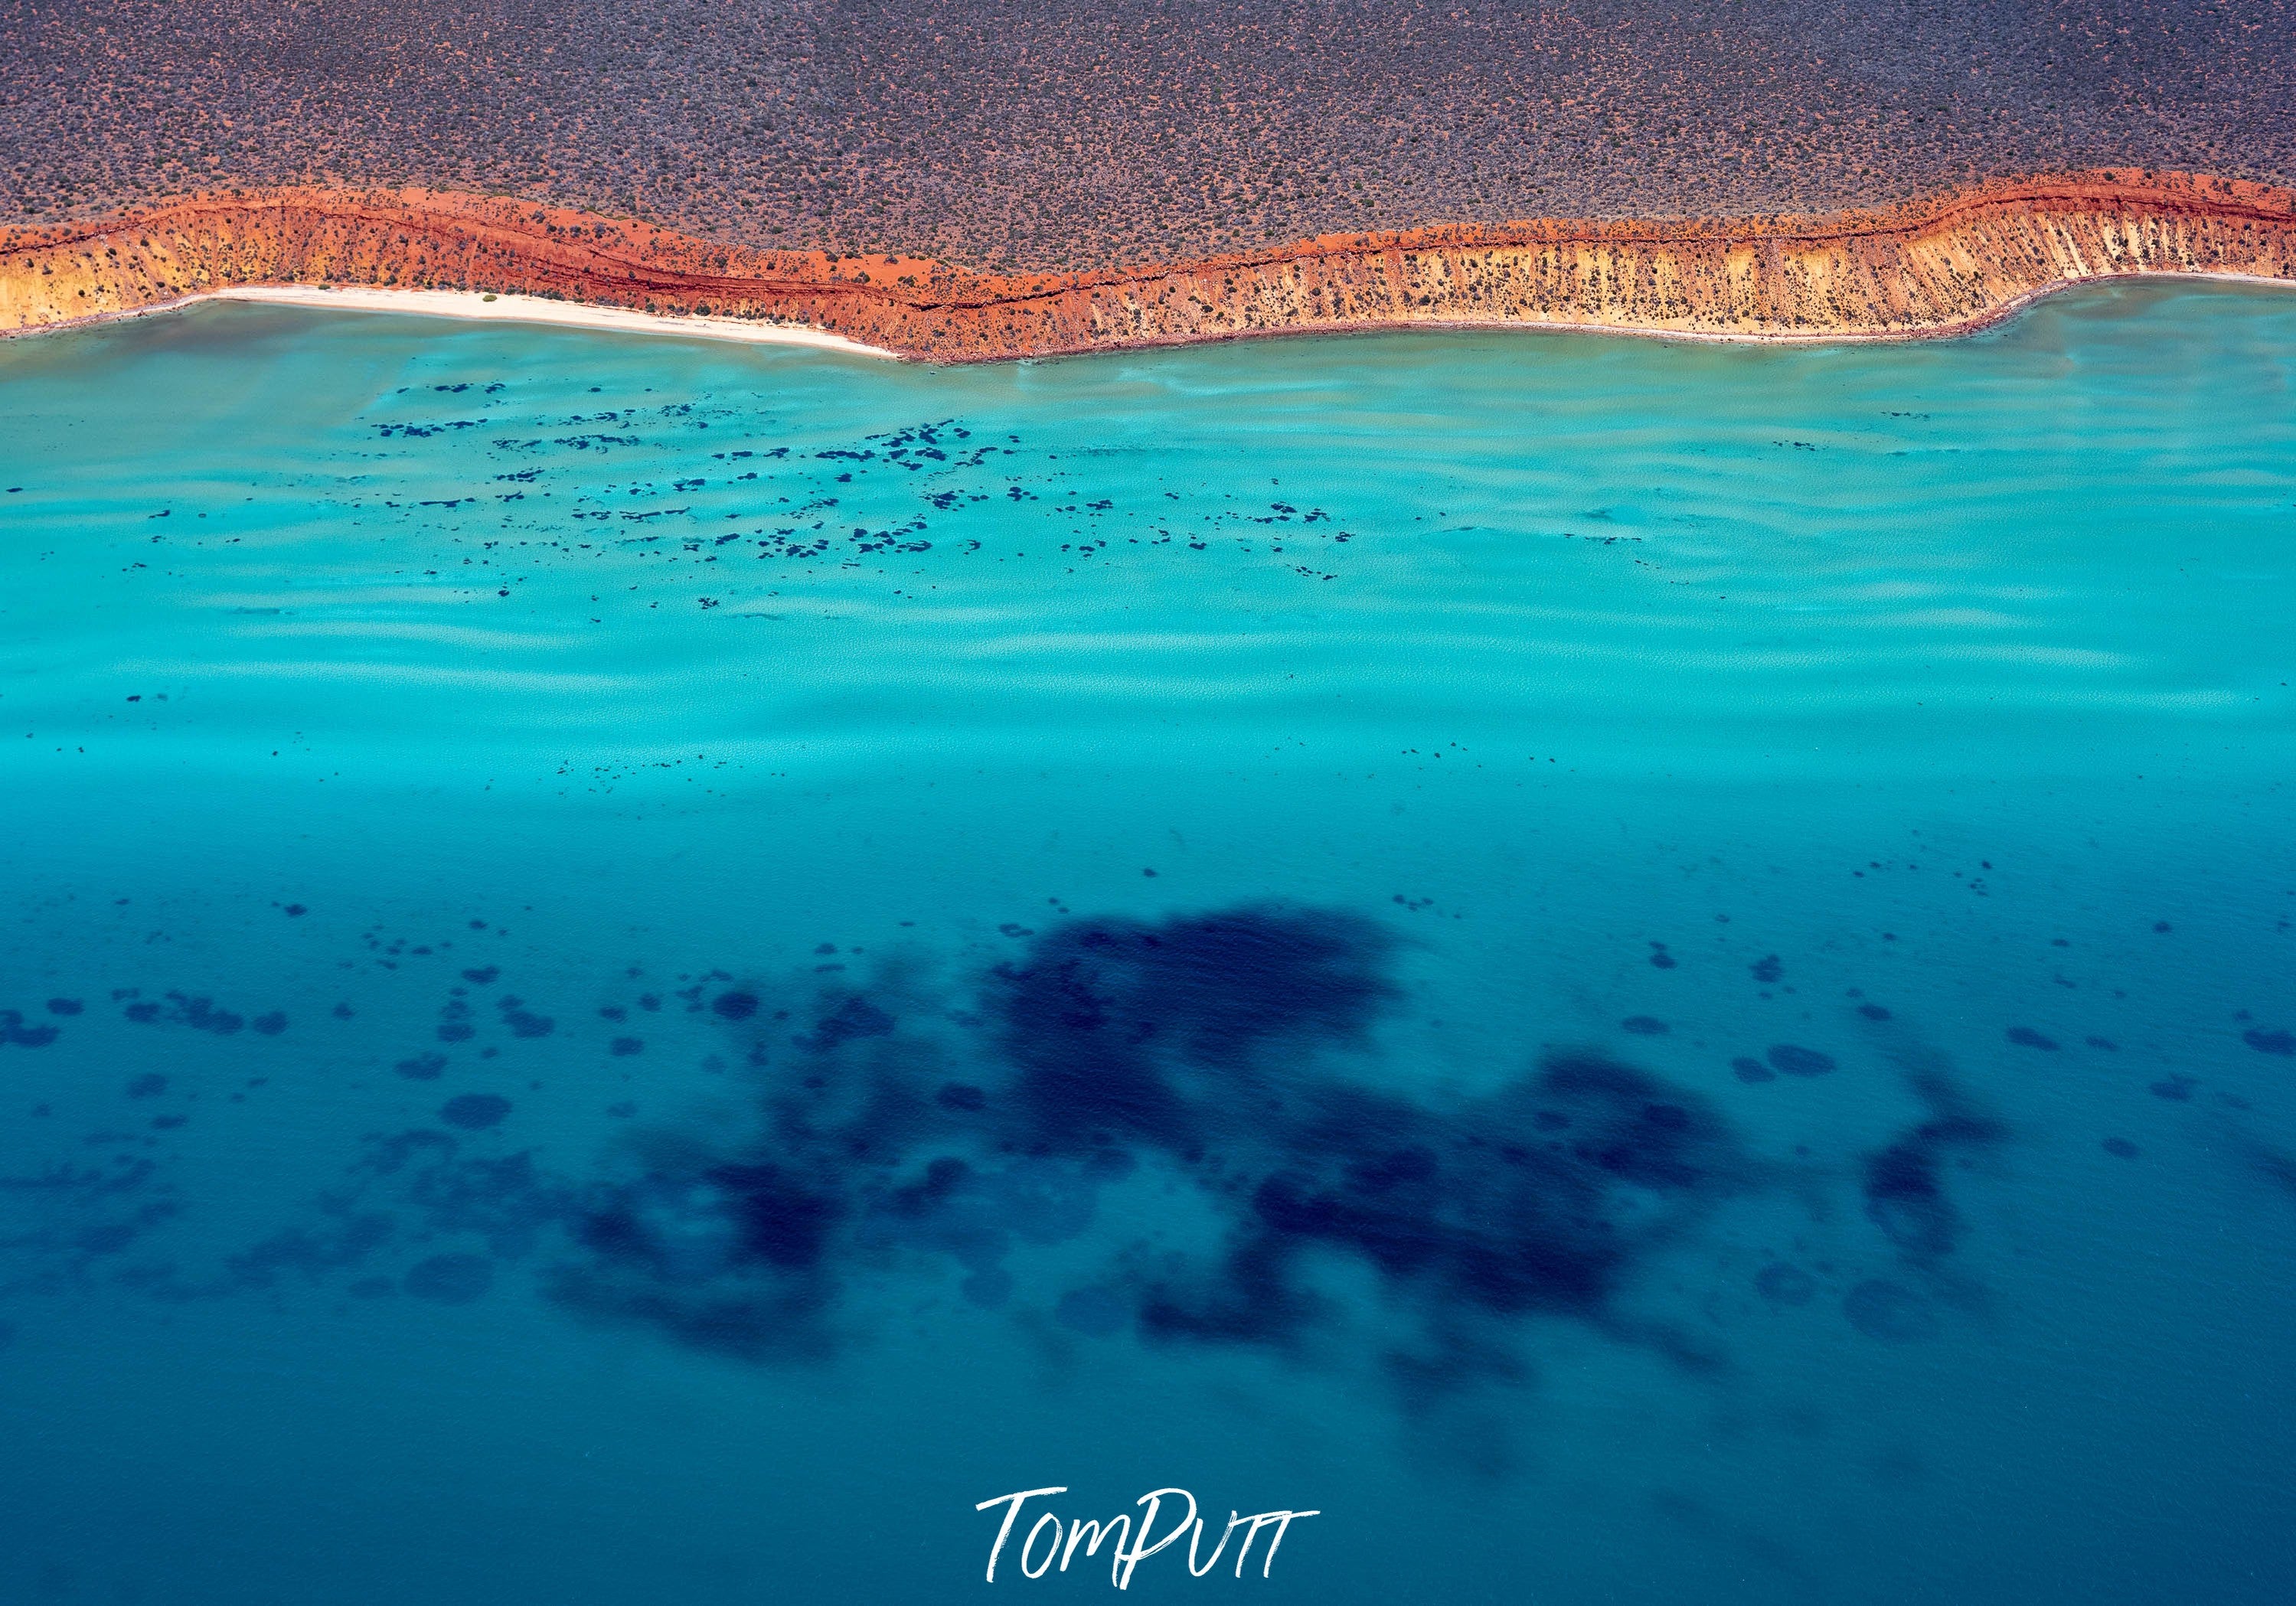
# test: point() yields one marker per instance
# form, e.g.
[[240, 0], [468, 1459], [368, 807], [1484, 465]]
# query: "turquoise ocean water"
[[637, 970]]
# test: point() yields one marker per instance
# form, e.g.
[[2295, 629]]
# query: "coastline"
[[481, 306], [1850, 336], [492, 306], [1939, 267]]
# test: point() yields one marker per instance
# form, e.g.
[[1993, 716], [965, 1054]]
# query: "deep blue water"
[[637, 970]]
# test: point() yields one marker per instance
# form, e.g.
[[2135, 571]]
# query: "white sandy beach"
[[537, 309]]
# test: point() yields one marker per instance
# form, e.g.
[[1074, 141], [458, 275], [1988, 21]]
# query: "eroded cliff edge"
[[1929, 268]]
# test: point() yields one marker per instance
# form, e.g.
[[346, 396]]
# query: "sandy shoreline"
[[533, 309], [1847, 336], [483, 306], [489, 306]]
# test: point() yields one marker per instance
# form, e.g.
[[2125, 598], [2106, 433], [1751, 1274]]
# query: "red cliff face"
[[1924, 268]]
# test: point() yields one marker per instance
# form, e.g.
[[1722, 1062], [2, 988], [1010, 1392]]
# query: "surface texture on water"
[[638, 971]]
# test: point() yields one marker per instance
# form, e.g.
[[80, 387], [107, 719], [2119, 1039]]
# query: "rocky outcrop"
[[1930, 267]]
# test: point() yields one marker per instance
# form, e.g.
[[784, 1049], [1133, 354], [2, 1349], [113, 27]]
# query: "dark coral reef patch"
[[1232, 1051]]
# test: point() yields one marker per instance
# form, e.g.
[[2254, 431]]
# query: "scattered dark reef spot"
[[2270, 1043], [1784, 1284], [2275, 1166], [1752, 1071], [410, 1187], [2025, 1036], [200, 1014], [1890, 1312], [526, 1023], [1644, 1026], [15, 1034], [1795, 1061], [2121, 1148], [451, 1279], [855, 1017], [474, 1111], [1904, 1183], [344, 1239]]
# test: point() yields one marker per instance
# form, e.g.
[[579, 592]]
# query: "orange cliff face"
[[1928, 267]]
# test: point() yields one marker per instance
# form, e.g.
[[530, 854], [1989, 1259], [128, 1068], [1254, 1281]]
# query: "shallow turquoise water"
[[1642, 972]]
